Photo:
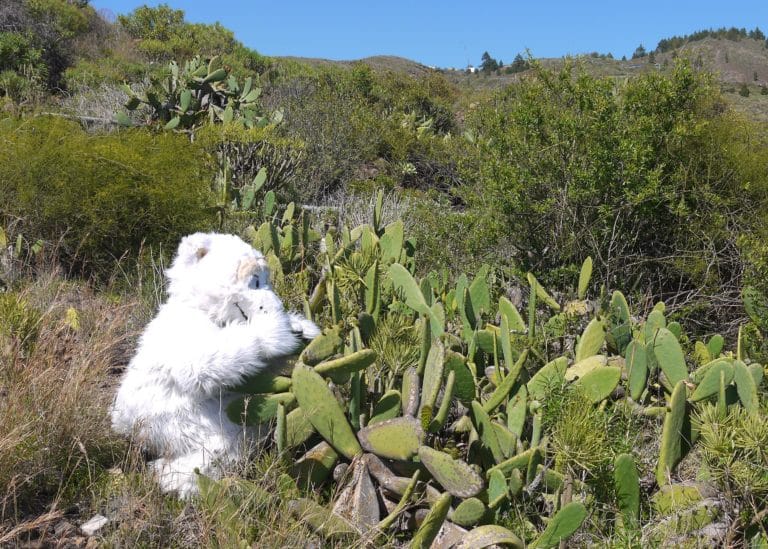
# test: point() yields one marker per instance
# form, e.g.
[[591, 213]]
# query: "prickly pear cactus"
[[442, 428]]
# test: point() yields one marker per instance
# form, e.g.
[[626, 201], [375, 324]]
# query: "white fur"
[[222, 322]]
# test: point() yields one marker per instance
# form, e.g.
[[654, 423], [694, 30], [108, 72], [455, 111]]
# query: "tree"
[[518, 65], [160, 23], [488, 64], [757, 34], [639, 52]]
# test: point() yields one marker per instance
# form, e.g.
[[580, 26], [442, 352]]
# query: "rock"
[[358, 502], [93, 525], [449, 535]]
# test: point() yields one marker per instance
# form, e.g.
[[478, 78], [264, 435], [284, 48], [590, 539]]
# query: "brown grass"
[[55, 385], [60, 464]]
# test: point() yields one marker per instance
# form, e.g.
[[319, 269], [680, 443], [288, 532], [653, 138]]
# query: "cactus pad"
[[264, 382], [469, 512], [599, 383], [637, 368], [340, 368], [672, 434], [669, 355], [627, 486], [591, 341], [397, 438], [323, 411], [489, 535], [562, 525], [710, 382], [388, 407], [257, 409], [458, 478], [429, 529], [322, 347]]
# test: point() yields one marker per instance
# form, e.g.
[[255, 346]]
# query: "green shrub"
[[654, 178], [744, 90], [102, 196], [353, 119], [41, 33], [90, 74], [163, 34], [17, 50]]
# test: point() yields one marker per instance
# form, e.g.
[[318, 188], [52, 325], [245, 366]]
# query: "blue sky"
[[452, 34]]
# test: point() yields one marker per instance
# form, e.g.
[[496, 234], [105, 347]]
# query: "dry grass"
[[55, 385], [61, 352]]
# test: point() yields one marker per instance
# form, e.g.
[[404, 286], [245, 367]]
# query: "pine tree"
[[488, 64]]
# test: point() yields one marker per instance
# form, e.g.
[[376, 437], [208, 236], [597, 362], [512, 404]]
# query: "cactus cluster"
[[199, 91], [441, 450]]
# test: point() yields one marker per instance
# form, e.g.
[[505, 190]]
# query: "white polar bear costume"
[[222, 322]]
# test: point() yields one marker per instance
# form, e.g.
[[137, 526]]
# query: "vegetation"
[[555, 290], [100, 197], [582, 169], [732, 33]]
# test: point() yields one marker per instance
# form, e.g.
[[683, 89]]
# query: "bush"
[[104, 196], [40, 34], [744, 90], [656, 180], [163, 34], [356, 123]]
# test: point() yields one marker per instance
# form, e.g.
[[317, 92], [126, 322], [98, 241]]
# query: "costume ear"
[[193, 248]]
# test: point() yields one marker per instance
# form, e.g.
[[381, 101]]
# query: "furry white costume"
[[221, 322]]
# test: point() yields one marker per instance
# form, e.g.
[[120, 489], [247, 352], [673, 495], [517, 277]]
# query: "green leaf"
[[584, 276], [397, 438], [479, 293], [123, 119], [246, 88], [456, 476], [508, 309], [671, 450], [172, 123], [257, 409], [637, 368], [489, 535], [216, 76], [414, 298], [252, 95], [627, 485], [542, 294], [388, 407], [485, 430], [184, 99], [323, 411], [549, 376], [229, 114], [269, 203], [591, 341], [429, 529], [710, 381], [669, 356], [562, 526], [745, 386]]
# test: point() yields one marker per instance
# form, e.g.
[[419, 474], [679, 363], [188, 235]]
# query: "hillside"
[[734, 62], [376, 62]]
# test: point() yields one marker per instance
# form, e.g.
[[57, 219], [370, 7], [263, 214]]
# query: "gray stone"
[[93, 525]]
